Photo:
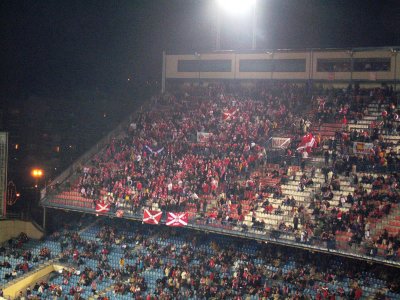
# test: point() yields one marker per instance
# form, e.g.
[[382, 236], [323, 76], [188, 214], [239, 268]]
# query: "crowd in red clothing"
[[162, 161], [159, 159]]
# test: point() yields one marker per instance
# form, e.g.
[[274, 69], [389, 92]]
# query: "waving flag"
[[154, 151], [229, 114], [177, 219], [307, 142], [152, 216], [213, 214], [102, 207]]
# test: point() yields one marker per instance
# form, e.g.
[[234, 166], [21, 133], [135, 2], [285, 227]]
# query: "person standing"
[[94, 287]]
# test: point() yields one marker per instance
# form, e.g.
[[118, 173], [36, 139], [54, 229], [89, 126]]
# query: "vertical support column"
[[198, 57], [311, 72], [351, 53], [395, 69], [44, 218], [234, 65]]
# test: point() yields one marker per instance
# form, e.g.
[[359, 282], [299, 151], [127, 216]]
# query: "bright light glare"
[[236, 6], [37, 173]]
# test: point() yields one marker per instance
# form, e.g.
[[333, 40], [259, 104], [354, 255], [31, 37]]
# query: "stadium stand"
[[204, 151]]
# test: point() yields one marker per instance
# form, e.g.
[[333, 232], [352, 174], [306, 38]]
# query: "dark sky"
[[88, 43]]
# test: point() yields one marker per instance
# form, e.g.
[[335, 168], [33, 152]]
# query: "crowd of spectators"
[[160, 162], [199, 266]]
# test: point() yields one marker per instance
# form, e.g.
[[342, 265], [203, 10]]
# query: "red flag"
[[213, 214], [307, 142], [102, 207], [119, 213], [229, 114], [152, 216], [177, 219]]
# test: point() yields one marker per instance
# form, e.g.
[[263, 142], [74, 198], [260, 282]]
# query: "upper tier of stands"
[[332, 198]]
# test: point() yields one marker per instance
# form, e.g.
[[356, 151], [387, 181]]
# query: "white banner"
[[362, 148], [280, 143], [203, 137]]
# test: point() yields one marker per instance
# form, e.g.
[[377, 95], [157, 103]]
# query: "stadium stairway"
[[391, 223], [374, 115], [327, 130]]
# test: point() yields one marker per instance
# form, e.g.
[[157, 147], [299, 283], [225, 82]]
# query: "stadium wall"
[[12, 228], [12, 291]]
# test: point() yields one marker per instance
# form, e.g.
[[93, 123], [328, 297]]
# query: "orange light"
[[17, 194], [37, 173], [16, 146]]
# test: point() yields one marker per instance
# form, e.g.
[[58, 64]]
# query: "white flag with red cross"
[[229, 114], [177, 219], [152, 216], [102, 207]]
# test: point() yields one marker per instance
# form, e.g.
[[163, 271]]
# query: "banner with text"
[[362, 148]]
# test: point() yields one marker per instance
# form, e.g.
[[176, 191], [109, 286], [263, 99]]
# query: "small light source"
[[37, 173], [18, 195], [16, 146]]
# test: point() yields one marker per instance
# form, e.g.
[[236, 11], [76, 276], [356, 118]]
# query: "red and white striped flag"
[[119, 213], [177, 219], [102, 207], [229, 114], [307, 142], [152, 216]]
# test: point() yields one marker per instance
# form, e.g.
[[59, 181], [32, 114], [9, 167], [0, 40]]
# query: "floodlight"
[[236, 6]]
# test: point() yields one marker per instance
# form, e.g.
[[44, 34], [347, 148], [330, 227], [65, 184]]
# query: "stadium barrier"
[[275, 236]]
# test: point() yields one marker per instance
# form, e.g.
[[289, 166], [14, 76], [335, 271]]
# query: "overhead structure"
[[334, 67]]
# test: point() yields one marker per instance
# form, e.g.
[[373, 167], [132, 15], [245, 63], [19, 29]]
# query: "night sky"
[[60, 45]]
